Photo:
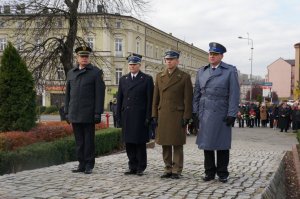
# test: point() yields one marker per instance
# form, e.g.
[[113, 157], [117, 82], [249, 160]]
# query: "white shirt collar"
[[134, 75], [215, 66]]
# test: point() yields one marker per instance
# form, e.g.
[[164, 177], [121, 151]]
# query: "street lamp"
[[251, 59]]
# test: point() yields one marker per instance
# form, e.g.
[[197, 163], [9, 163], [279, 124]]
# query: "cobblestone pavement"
[[255, 156]]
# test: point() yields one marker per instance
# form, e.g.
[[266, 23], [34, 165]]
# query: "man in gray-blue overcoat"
[[134, 103], [215, 103]]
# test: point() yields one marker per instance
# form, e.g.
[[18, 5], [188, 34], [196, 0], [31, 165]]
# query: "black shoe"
[[140, 173], [130, 172], [175, 176], [223, 179], [207, 178], [88, 171], [166, 175], [79, 169]]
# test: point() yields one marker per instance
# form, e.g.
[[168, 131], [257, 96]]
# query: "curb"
[[296, 162], [276, 185]]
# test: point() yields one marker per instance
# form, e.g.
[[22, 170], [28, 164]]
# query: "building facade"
[[111, 45], [281, 74]]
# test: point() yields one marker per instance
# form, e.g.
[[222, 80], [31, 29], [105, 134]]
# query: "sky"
[[273, 25]]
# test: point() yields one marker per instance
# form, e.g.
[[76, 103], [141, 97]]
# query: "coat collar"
[[207, 75], [222, 64], [88, 67], [175, 77], [132, 83]]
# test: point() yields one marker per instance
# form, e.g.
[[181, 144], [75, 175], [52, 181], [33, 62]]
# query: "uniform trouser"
[[85, 144], [221, 169], [173, 158], [137, 155], [271, 122], [241, 123]]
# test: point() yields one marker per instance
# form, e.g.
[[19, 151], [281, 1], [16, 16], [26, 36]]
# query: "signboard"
[[266, 91], [267, 84]]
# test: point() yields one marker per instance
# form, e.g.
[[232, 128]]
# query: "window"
[[38, 24], [38, 43], [138, 46], [20, 24], [118, 75], [90, 42], [118, 24], [2, 24], [118, 47], [2, 43], [156, 52], [60, 74], [59, 23], [20, 44], [90, 24]]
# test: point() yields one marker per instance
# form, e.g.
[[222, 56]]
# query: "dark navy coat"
[[85, 90], [134, 102], [216, 96]]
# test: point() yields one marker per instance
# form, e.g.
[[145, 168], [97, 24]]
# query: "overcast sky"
[[274, 26]]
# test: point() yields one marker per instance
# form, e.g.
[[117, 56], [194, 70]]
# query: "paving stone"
[[253, 153]]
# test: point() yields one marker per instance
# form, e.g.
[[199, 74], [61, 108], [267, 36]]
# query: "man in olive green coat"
[[172, 109]]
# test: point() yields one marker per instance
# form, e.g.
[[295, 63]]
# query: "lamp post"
[[251, 59]]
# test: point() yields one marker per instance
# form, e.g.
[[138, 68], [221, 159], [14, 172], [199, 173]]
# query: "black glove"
[[67, 118], [97, 118], [229, 120], [195, 116], [184, 122], [147, 122], [154, 120]]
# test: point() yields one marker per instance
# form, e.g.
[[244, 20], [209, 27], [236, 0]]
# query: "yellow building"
[[112, 39]]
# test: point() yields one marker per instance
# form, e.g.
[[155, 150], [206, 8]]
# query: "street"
[[254, 159]]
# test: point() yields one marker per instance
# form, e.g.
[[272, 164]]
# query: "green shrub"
[[17, 93], [50, 109], [57, 152], [40, 109]]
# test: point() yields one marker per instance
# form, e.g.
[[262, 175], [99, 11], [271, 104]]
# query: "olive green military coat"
[[172, 102]]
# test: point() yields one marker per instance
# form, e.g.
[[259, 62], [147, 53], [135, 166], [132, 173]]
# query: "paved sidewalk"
[[255, 156]]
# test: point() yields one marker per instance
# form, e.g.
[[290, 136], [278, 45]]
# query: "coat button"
[[128, 98]]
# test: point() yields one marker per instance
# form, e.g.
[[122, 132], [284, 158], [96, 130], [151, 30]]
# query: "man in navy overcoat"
[[134, 102]]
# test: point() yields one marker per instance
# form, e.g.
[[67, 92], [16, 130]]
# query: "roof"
[[290, 61]]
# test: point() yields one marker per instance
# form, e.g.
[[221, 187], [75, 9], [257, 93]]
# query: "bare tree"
[[48, 44]]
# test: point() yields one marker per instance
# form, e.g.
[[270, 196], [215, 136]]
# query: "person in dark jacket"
[[271, 115], [113, 108], [134, 103], [284, 117], [216, 103], [85, 90]]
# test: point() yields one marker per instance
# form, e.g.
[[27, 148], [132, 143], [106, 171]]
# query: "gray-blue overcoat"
[[216, 96]]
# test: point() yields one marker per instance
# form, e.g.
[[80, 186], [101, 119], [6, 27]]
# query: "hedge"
[[44, 154], [43, 132]]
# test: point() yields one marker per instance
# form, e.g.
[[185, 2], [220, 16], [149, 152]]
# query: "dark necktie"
[[213, 68], [133, 77]]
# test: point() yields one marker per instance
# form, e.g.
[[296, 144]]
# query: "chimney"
[[100, 8], [6, 9]]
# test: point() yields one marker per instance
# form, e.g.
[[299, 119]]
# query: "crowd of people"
[[276, 116]]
